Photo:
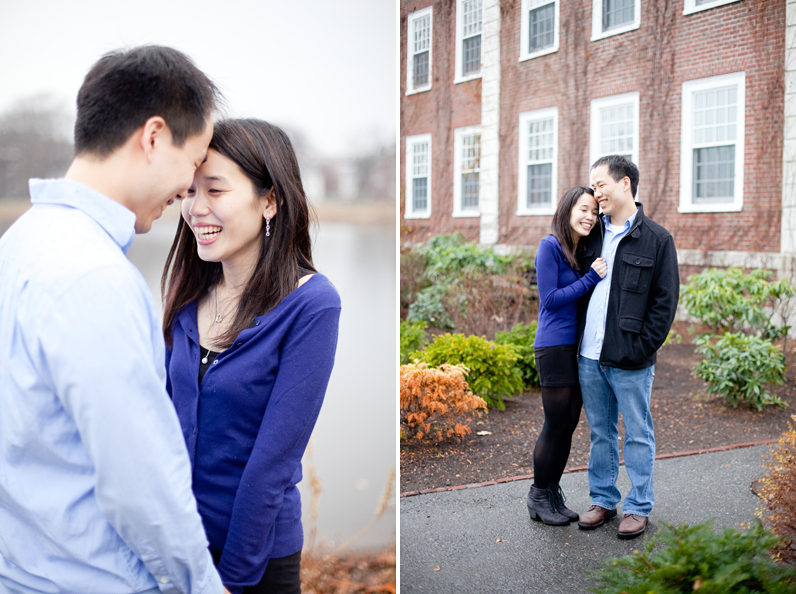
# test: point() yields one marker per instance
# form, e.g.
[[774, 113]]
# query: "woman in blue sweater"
[[251, 331], [561, 284]]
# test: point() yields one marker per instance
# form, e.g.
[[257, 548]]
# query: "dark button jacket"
[[645, 288]]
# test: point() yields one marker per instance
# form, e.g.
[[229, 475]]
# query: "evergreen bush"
[[697, 559], [737, 368], [493, 371], [413, 337], [523, 336]]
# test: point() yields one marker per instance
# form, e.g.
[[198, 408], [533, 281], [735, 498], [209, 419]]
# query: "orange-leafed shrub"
[[778, 493], [435, 401]]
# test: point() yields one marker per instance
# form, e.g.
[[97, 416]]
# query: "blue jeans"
[[606, 392]]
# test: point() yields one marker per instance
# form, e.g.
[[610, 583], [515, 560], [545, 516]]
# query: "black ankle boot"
[[542, 505], [560, 499]]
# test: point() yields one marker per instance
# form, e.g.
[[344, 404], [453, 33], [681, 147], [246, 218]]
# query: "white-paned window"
[[614, 127], [539, 28], [469, 19], [712, 144], [418, 52], [611, 17], [692, 6], [466, 171], [538, 163], [418, 177]]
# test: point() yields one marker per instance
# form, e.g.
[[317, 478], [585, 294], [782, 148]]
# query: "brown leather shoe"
[[632, 526], [594, 517]]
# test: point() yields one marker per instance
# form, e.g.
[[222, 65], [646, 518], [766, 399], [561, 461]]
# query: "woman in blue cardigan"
[[251, 330], [560, 286]]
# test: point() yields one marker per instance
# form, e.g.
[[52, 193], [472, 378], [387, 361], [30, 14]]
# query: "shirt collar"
[[628, 222], [115, 219]]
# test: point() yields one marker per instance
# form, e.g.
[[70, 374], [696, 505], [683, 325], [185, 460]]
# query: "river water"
[[354, 443]]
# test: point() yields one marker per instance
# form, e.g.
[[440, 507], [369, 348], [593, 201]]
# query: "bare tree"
[[35, 141]]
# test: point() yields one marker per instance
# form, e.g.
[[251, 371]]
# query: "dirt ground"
[[685, 420]]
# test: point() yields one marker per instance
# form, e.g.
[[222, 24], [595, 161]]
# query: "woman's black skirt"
[[557, 365]]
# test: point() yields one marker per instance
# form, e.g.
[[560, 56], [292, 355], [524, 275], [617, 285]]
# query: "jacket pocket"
[[633, 325], [636, 273]]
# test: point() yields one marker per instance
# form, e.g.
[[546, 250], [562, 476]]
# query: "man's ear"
[[153, 132], [269, 204]]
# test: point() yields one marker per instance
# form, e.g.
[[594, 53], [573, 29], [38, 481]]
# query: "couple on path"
[[608, 292], [126, 446]]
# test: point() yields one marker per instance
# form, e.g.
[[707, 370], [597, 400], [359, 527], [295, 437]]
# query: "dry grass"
[[326, 570]]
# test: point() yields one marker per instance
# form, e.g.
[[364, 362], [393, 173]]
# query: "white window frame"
[[458, 77], [410, 62], [522, 173], [594, 131], [686, 143], [597, 21], [409, 212], [525, 33], [690, 6], [458, 136]]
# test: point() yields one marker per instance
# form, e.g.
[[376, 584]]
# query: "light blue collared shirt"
[[95, 481], [593, 334]]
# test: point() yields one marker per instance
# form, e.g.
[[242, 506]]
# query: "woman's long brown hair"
[[561, 226], [265, 155]]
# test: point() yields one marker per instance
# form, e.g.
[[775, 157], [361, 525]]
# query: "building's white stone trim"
[[490, 123], [787, 240]]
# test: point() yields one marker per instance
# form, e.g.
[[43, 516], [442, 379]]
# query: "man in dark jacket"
[[623, 321]]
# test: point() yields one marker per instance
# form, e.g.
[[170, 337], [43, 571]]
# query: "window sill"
[[539, 54], [612, 32], [415, 215], [709, 208], [536, 212], [416, 91], [469, 77], [467, 214], [695, 9]]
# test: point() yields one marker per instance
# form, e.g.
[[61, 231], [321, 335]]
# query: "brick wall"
[[654, 60]]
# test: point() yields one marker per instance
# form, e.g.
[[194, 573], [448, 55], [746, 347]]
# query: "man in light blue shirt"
[[95, 480], [627, 319]]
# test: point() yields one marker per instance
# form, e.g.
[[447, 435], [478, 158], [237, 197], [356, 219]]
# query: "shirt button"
[[240, 344], [215, 361], [164, 580], [194, 430]]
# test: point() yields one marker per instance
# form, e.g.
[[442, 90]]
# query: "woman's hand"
[[600, 266]]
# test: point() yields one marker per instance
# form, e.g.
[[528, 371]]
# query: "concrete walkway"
[[482, 540]]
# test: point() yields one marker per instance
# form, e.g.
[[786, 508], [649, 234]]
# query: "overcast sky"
[[326, 69]]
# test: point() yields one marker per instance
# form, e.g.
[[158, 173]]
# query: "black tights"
[[561, 415]]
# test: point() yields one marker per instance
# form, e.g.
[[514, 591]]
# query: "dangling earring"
[[267, 227]]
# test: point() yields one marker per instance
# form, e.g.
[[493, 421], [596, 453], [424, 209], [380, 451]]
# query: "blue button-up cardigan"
[[248, 424]]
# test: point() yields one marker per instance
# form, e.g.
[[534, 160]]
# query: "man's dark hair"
[[127, 87], [619, 167]]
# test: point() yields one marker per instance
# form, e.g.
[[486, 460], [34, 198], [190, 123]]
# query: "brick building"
[[505, 103]]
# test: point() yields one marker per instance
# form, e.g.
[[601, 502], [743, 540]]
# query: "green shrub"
[[737, 367], [696, 558], [731, 301], [413, 337], [494, 373], [452, 255], [523, 336], [429, 307]]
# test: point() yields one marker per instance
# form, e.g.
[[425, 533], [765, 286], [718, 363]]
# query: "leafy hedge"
[[696, 559], [493, 370], [523, 335]]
